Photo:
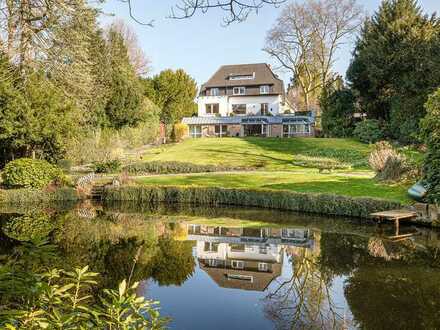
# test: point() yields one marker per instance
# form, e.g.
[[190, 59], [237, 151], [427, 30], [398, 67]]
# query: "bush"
[[29, 227], [36, 196], [30, 173], [387, 162], [158, 167], [328, 204], [110, 166], [321, 163], [431, 134], [180, 131], [368, 131]]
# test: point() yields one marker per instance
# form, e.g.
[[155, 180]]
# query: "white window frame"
[[193, 131], [212, 262], [222, 132], [214, 91], [266, 110], [239, 114], [296, 129], [264, 89], [211, 108], [240, 90], [237, 264], [242, 76], [263, 267]]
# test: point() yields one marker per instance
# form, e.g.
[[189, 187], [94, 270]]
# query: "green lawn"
[[274, 160], [338, 183], [271, 154]]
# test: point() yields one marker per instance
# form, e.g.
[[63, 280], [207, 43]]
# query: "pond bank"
[[328, 204]]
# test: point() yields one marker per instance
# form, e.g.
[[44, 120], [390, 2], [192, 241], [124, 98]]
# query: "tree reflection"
[[304, 301]]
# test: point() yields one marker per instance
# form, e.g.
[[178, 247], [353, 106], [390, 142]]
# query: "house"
[[245, 258], [246, 100]]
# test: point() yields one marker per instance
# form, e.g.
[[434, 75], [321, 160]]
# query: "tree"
[[36, 118], [395, 66], [125, 106], [338, 108], [174, 92], [306, 36], [431, 134]]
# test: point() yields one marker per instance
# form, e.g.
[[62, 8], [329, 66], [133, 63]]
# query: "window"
[[195, 131], [239, 91], [237, 264], [263, 249], [264, 89], [240, 277], [239, 109], [264, 109], [221, 130], [295, 129], [212, 262], [262, 267], [211, 247], [237, 247], [212, 108], [214, 92], [242, 76]]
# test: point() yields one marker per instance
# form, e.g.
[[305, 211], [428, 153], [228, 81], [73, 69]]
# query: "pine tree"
[[396, 65]]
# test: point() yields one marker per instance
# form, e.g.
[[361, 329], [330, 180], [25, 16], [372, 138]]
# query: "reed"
[[327, 204]]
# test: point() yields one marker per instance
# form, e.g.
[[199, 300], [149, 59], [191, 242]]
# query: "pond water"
[[230, 268]]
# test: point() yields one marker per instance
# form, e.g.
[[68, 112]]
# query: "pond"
[[231, 268]]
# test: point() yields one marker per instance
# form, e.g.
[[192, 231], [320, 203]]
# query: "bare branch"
[[235, 10]]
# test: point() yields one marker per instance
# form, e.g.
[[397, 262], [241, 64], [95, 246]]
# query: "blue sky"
[[201, 44]]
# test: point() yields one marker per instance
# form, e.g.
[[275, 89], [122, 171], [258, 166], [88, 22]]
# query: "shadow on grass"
[[349, 186]]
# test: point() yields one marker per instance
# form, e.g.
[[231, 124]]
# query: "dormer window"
[[264, 89], [239, 91], [214, 92], [242, 76]]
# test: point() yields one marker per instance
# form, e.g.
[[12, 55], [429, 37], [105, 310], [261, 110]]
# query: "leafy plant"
[[62, 301], [431, 134], [180, 131], [30, 173], [110, 166], [29, 227], [368, 131]]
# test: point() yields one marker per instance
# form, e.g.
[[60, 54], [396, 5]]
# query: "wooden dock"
[[396, 216]]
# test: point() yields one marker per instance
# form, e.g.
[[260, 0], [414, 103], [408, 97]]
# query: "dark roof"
[[261, 280], [263, 75]]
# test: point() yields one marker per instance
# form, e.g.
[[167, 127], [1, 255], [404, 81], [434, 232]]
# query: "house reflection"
[[245, 258]]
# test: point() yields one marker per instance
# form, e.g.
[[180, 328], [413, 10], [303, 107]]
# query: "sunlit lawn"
[[337, 183], [263, 153]]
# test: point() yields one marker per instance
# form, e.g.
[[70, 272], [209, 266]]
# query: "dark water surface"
[[230, 268]]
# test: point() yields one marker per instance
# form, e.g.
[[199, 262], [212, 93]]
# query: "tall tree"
[[306, 37], [174, 92], [396, 65]]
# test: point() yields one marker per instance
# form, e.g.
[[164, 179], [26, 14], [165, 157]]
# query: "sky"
[[201, 44]]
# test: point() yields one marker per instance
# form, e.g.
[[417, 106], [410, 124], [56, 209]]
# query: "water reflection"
[[235, 269]]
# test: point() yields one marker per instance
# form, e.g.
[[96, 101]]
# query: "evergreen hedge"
[[170, 167], [327, 204]]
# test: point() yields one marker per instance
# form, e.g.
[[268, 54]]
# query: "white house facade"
[[245, 100]]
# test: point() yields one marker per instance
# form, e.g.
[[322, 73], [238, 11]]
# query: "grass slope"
[[271, 154], [339, 184]]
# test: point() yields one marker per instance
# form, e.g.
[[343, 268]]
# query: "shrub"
[[36, 196], [327, 204], [431, 134], [158, 167], [29, 227], [30, 173], [180, 132], [110, 166], [368, 131], [319, 162], [387, 162]]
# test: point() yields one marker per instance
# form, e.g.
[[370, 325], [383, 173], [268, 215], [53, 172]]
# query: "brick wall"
[[234, 130], [276, 131]]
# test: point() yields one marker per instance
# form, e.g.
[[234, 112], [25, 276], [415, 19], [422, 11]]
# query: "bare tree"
[[140, 62], [306, 37], [235, 10]]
